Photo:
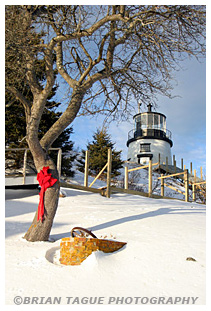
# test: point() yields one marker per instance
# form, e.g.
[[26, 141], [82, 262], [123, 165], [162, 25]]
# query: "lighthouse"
[[150, 139]]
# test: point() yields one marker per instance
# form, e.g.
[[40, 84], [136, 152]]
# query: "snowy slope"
[[160, 235], [138, 180]]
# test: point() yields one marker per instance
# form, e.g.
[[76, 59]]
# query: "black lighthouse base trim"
[[149, 137]]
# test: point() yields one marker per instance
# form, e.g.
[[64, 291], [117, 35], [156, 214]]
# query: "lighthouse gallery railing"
[[162, 133]]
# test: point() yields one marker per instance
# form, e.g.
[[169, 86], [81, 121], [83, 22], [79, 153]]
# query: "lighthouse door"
[[144, 158], [145, 153], [144, 161]]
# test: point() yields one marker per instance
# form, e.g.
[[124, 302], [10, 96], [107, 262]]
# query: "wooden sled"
[[74, 250]]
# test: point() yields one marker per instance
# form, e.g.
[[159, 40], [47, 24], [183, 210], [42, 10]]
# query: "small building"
[[149, 138]]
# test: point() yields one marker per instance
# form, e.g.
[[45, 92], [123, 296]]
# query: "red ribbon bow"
[[45, 181]]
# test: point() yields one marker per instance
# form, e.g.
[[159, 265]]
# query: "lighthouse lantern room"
[[149, 138]]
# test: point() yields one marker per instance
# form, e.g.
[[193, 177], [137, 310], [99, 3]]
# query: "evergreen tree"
[[98, 154], [81, 161], [15, 132]]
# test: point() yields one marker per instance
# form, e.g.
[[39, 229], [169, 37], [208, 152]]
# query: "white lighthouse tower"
[[149, 138]]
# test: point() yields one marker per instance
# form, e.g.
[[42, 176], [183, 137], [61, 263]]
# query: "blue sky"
[[186, 119]]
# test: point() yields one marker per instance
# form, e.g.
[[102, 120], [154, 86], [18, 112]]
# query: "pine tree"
[[80, 164], [98, 154], [15, 132]]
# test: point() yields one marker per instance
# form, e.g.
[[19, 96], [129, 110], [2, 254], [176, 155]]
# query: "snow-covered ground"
[[152, 268]]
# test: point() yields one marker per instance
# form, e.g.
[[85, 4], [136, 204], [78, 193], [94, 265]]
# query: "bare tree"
[[106, 56]]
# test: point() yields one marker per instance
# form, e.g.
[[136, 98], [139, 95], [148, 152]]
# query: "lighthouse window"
[[144, 147], [143, 121], [161, 122], [150, 121], [155, 121]]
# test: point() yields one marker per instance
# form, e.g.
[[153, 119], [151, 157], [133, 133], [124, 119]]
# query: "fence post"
[[186, 186], [126, 177], [59, 162], [201, 173], [162, 186], [24, 166], [194, 186], [194, 192], [175, 166], [182, 164], [167, 159], [108, 192], [150, 179], [194, 176], [86, 169]]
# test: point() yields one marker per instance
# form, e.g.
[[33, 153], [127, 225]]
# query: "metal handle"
[[81, 230]]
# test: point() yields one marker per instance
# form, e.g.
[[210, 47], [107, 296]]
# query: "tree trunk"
[[39, 231]]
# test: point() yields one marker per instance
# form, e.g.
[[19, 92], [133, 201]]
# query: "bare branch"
[[19, 96], [123, 52], [60, 66]]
